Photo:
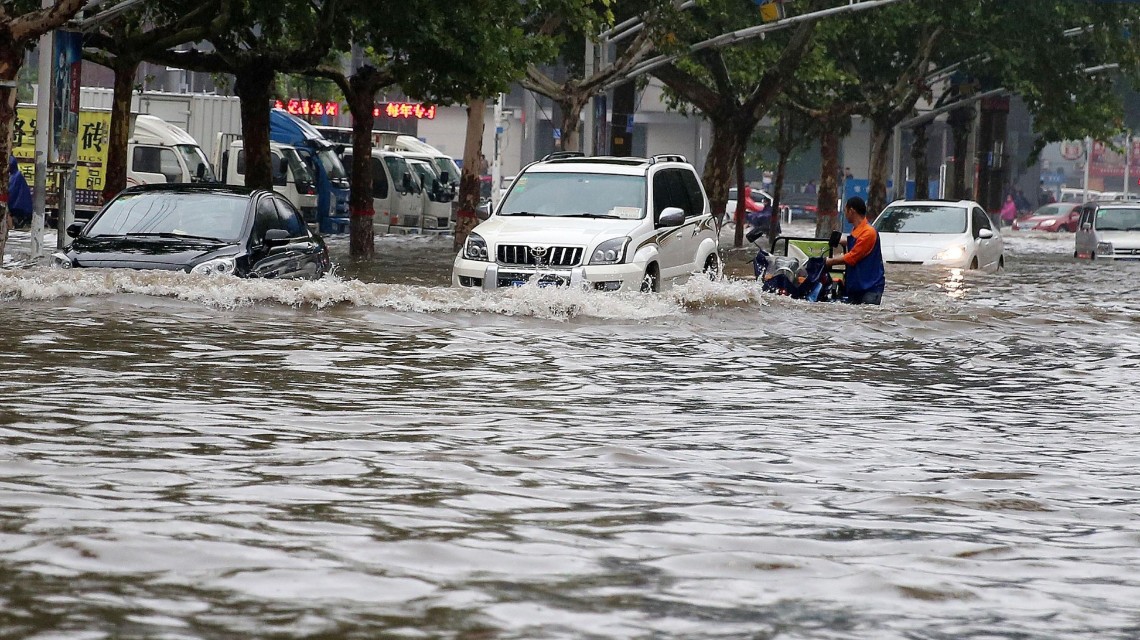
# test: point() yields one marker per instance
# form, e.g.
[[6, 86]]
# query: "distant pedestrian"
[[1008, 211], [811, 188], [19, 195], [484, 166], [1023, 204]]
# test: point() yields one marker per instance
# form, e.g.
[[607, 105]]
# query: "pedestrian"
[[1008, 211], [811, 188], [865, 278], [1023, 204], [19, 195], [484, 166], [1043, 195]]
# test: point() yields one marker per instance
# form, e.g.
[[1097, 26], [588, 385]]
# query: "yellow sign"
[[772, 10], [91, 159]]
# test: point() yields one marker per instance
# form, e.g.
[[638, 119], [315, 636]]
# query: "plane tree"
[[123, 42], [261, 39], [21, 23], [435, 52], [733, 88]]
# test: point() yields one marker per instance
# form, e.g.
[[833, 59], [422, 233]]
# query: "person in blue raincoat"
[[19, 195]]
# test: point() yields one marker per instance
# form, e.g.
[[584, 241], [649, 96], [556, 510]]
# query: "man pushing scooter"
[[865, 279]]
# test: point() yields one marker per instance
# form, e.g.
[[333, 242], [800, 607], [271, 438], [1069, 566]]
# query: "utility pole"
[[1127, 161], [43, 139], [1088, 161], [496, 162]]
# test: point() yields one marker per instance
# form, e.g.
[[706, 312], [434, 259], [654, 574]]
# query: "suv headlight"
[[957, 252], [610, 251], [61, 261], [476, 248], [215, 267]]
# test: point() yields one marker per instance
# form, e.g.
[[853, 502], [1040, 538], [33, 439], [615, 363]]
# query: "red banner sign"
[[308, 107], [405, 110]]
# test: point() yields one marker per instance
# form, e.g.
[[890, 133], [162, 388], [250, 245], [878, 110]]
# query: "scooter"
[[788, 269]]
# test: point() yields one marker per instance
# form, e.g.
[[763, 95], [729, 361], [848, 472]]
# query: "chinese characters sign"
[[405, 110], [299, 107], [90, 156]]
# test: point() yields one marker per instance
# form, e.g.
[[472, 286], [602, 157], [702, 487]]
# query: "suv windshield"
[[576, 194], [201, 215], [1115, 219], [922, 219]]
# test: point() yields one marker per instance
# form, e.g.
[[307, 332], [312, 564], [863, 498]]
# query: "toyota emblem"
[[539, 254]]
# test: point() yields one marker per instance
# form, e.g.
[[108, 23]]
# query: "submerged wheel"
[[974, 263], [1001, 263], [649, 280], [712, 267]]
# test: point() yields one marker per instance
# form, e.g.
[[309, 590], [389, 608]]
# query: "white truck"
[[291, 178]]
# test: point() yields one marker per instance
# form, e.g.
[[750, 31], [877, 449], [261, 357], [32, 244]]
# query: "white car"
[[933, 232], [1109, 230], [602, 223]]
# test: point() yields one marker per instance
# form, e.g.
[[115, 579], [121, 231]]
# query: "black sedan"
[[207, 229]]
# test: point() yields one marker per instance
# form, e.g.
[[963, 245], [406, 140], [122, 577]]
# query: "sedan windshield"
[[576, 194], [922, 219], [1118, 220], [1058, 209], [215, 216]]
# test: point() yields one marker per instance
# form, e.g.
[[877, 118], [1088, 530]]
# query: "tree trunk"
[[960, 121], [466, 218], [827, 213], [777, 191], [740, 213], [360, 204], [877, 192], [571, 123], [729, 138], [921, 173], [254, 86], [11, 57], [120, 133]]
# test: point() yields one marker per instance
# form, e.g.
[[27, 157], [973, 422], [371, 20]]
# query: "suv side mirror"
[[275, 237], [671, 217], [75, 228], [407, 182]]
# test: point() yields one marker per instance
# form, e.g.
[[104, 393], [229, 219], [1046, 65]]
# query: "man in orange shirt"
[[865, 278]]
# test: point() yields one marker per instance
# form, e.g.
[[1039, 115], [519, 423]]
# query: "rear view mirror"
[[274, 237], [407, 182], [444, 177], [200, 173], [671, 217]]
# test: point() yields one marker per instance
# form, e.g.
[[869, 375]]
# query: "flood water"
[[378, 455]]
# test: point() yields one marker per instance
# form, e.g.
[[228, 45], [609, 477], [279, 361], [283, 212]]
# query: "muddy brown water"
[[378, 455]]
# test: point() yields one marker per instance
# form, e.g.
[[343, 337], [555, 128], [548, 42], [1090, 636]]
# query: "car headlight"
[[215, 267], [476, 248], [610, 251], [1046, 223], [61, 261], [957, 252]]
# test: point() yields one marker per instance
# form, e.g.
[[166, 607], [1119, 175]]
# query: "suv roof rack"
[[667, 157], [559, 155]]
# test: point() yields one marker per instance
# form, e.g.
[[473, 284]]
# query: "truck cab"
[[160, 152], [291, 176], [321, 159], [397, 194]]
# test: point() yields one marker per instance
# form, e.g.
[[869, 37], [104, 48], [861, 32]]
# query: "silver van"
[[1109, 230]]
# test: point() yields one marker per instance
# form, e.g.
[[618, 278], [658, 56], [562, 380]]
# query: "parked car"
[[604, 223], [1059, 216], [206, 229], [1078, 195], [934, 232], [1108, 230]]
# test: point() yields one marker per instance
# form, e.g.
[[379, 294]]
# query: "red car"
[[1060, 216]]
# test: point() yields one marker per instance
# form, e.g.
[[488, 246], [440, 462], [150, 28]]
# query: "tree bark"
[[921, 172], [877, 192], [571, 123], [738, 216], [360, 204], [827, 213], [254, 83], [960, 121], [9, 70], [120, 133], [466, 218], [729, 138]]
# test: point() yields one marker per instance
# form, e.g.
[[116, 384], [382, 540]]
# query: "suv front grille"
[[524, 255]]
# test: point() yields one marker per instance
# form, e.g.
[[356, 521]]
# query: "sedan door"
[[301, 256], [989, 250]]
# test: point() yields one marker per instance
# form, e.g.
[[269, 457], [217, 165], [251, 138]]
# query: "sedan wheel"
[[712, 267]]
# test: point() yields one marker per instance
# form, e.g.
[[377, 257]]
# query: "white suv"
[[605, 223]]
